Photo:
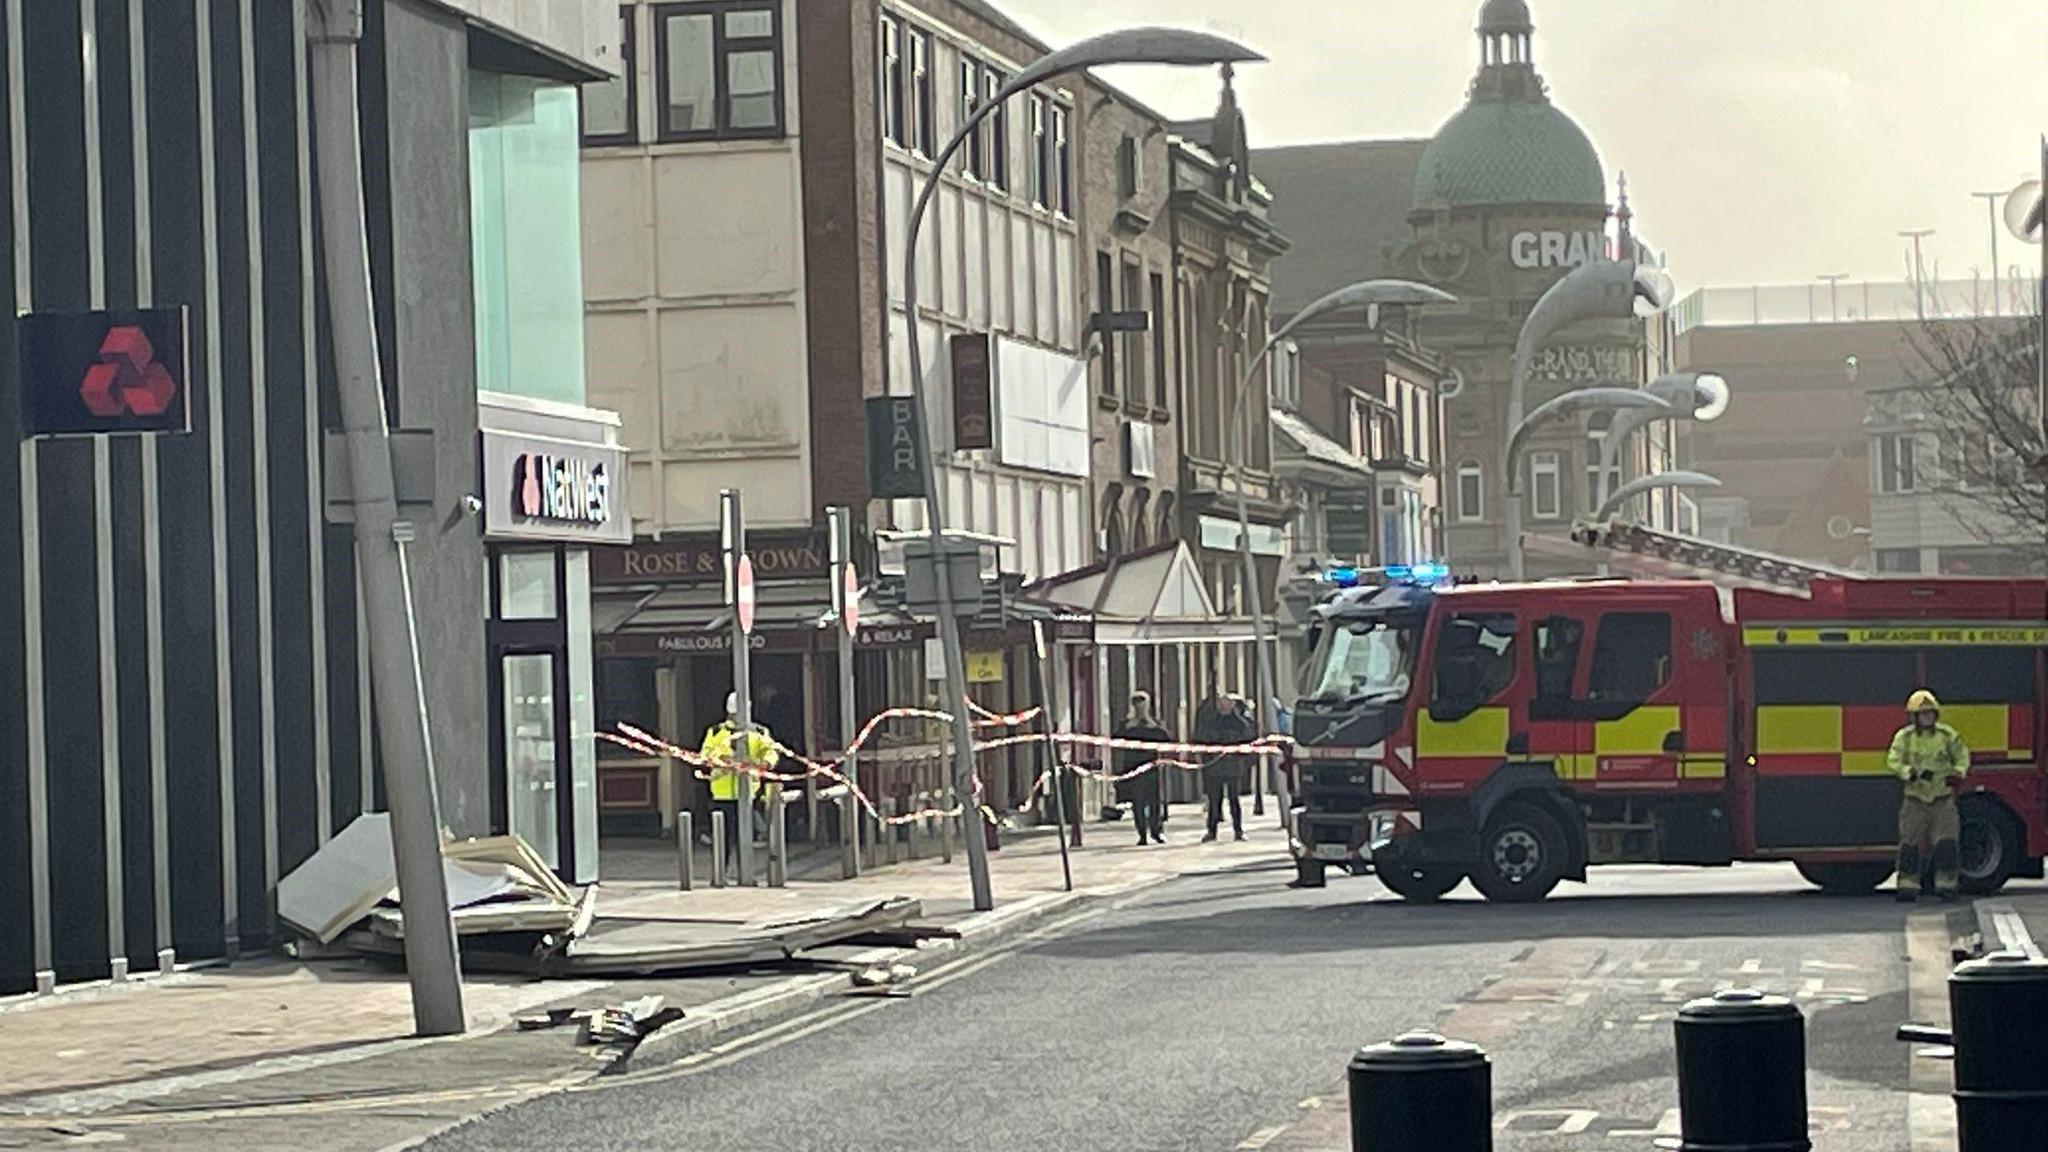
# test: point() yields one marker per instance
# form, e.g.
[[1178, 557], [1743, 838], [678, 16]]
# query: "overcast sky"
[[1765, 141]]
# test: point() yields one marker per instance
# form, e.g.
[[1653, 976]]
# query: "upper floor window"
[[1041, 151], [720, 69], [923, 118], [1471, 493], [894, 121], [998, 127], [1159, 313], [1130, 167], [972, 161], [608, 105], [1895, 465], [1063, 164], [1546, 500]]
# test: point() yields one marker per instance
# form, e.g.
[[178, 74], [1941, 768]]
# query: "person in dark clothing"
[[1145, 790], [1225, 775]]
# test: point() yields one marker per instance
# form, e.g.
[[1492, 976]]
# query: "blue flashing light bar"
[[1418, 574]]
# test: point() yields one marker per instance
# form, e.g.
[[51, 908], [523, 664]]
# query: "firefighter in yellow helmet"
[[730, 778], [1931, 760]]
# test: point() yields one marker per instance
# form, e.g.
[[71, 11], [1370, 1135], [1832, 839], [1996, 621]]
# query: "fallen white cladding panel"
[[342, 882]]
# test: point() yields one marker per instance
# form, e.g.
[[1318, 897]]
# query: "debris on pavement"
[[513, 914]]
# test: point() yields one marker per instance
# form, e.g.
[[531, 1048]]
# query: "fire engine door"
[[1630, 698]]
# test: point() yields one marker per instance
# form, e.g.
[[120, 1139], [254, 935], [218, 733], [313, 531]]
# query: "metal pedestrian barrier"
[[1421, 1093], [1742, 1074]]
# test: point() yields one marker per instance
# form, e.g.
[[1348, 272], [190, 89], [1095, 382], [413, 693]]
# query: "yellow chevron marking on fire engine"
[[1483, 733], [1914, 635], [1704, 767], [1640, 733], [1798, 729]]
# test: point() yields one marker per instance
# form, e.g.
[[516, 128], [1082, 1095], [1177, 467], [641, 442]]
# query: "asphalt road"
[[1219, 1012]]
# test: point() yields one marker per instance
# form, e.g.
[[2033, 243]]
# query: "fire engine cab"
[[1514, 734]]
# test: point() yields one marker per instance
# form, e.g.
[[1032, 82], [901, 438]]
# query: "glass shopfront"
[[553, 488]]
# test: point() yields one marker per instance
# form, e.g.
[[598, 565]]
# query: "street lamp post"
[[1367, 294], [1605, 288], [1128, 46]]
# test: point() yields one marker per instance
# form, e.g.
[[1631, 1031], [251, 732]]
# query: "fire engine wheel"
[[1522, 855], [1991, 845], [1418, 885], [1844, 877]]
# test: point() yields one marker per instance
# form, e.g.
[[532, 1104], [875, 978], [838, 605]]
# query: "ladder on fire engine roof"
[[1672, 554]]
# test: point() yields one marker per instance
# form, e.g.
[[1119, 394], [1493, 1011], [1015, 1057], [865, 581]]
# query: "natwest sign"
[[93, 373], [537, 488]]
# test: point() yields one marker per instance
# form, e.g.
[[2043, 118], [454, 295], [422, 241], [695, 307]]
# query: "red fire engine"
[[1515, 734]]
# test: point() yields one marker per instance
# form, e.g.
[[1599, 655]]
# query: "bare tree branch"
[[1975, 390]]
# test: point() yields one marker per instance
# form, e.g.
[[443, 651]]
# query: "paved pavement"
[[1219, 1012], [264, 1053]]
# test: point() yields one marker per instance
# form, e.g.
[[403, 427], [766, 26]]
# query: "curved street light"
[[1370, 295], [1613, 289], [1126, 46], [1696, 396], [1590, 398], [1650, 483]]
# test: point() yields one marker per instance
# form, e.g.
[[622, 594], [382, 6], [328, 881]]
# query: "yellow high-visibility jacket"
[[720, 748], [1925, 759]]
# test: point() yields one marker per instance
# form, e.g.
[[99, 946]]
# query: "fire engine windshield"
[[1361, 659]]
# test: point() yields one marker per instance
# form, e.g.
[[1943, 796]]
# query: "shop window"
[[609, 115], [1545, 500], [1471, 494], [626, 695], [1631, 656], [720, 70], [1475, 662], [526, 586]]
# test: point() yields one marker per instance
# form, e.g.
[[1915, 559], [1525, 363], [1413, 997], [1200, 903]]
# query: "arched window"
[[1471, 493], [1113, 521]]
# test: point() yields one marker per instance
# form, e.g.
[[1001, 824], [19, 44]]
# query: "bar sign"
[[973, 414], [894, 444]]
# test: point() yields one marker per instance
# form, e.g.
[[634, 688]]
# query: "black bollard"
[[1998, 1007], [1421, 1093], [1742, 1074]]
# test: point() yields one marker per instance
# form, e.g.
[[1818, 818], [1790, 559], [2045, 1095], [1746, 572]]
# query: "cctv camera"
[[472, 504]]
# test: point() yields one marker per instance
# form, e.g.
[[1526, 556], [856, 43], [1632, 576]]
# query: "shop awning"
[[1149, 597]]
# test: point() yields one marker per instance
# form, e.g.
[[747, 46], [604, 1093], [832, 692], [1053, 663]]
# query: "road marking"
[[789, 1031], [1667, 1125], [1561, 1121], [2010, 929]]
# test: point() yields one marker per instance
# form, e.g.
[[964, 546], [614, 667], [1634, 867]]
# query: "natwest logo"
[[98, 373], [565, 489]]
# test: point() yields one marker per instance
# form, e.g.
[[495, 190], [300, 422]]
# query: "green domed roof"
[[1509, 152]]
